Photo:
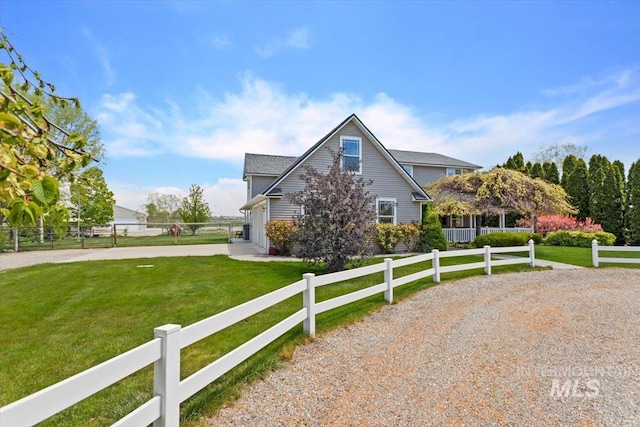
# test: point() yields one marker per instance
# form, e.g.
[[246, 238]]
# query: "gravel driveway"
[[557, 347]]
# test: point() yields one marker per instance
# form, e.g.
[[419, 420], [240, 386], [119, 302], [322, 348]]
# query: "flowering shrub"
[[550, 223], [281, 233], [410, 235], [388, 236]]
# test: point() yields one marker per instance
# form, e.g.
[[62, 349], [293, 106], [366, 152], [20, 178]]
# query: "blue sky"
[[183, 89]]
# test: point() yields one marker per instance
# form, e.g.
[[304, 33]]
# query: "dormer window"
[[351, 153]]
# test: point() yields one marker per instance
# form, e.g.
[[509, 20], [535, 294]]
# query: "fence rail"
[[163, 409], [597, 259], [47, 237]]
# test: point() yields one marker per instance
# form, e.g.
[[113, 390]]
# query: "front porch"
[[464, 235], [462, 229]]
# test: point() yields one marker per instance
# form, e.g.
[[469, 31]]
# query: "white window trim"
[[454, 171], [395, 208], [355, 138]]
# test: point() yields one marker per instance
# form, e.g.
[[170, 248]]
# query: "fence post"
[[487, 260], [309, 301], [436, 265], [388, 278], [16, 238], [532, 254], [166, 376], [594, 253]]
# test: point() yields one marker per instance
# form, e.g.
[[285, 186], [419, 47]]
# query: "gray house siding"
[[386, 182], [425, 175], [259, 184]]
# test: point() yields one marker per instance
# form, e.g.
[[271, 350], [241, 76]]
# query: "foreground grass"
[[581, 256], [58, 320]]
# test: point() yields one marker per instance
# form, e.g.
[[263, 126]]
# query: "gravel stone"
[[554, 347]]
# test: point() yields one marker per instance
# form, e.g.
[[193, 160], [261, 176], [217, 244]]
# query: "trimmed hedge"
[[579, 238], [502, 239]]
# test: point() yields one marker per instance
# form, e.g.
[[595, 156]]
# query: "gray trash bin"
[[245, 231]]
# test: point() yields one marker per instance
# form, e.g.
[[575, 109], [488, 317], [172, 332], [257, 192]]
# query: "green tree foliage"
[[496, 191], [568, 164], [633, 200], [195, 209], [536, 171], [515, 162], [162, 208], [577, 187], [551, 173], [337, 221], [75, 121], [91, 200], [431, 234], [32, 155], [605, 196], [619, 169]]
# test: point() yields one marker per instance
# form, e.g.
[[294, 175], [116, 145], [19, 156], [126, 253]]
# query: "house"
[[398, 177]]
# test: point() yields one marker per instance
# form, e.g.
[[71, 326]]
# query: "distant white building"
[[131, 220]]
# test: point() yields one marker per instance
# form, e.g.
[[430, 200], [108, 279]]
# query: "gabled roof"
[[265, 164], [270, 191], [430, 159]]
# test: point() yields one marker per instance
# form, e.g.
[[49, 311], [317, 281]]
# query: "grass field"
[[58, 320], [581, 256]]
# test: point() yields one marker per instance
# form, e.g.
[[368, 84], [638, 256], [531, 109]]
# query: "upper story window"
[[408, 169], [451, 172], [386, 209], [351, 153]]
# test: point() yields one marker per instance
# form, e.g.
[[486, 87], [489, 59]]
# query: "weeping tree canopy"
[[498, 191]]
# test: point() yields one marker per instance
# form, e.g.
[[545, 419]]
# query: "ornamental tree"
[[195, 209], [34, 152], [337, 219], [495, 192]]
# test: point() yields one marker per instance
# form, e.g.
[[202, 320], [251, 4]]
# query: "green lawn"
[[581, 256], [59, 319]]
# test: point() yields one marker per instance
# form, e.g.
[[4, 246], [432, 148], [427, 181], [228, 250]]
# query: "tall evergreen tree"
[[568, 164], [515, 162], [578, 189], [605, 196], [633, 203], [536, 171], [551, 173], [619, 166], [527, 168]]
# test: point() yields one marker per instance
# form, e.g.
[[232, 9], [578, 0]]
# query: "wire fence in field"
[[116, 235]]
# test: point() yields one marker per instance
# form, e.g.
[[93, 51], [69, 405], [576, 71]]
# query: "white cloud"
[[102, 54], [263, 117], [296, 39], [218, 42]]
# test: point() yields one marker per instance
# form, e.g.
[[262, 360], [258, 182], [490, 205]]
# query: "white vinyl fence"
[[463, 235], [163, 410], [597, 259]]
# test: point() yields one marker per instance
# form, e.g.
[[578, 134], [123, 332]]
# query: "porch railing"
[[463, 235]]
